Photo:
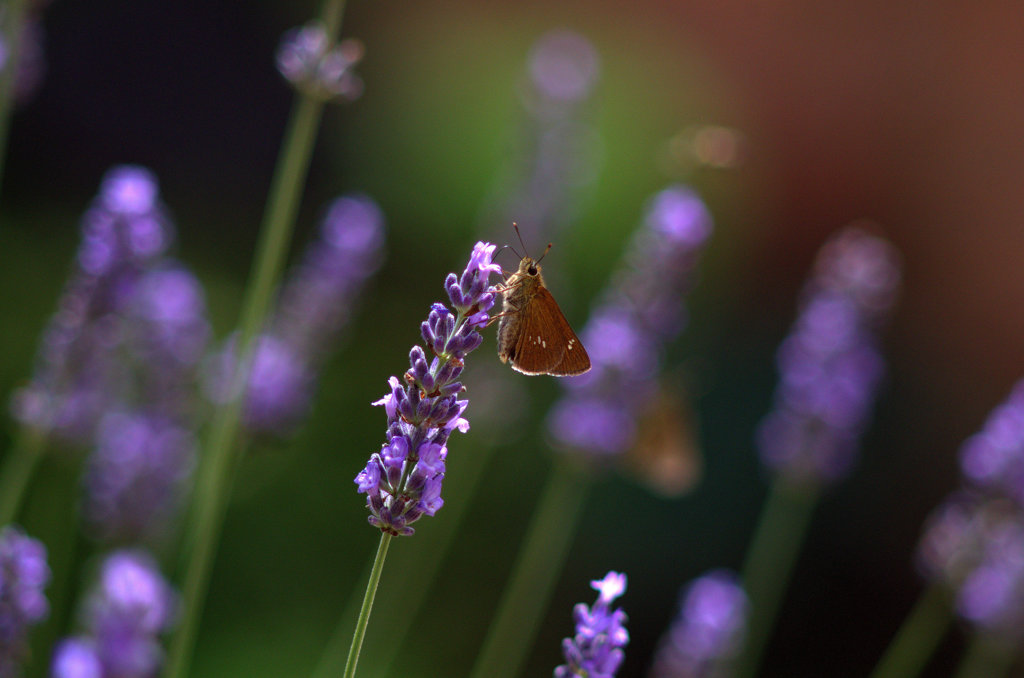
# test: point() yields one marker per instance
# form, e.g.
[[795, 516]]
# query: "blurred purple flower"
[[994, 458], [135, 477], [595, 651], [31, 59], [830, 365], [638, 315], [23, 575], [129, 608], [314, 306], [709, 629], [402, 482], [131, 324], [308, 60], [564, 66]]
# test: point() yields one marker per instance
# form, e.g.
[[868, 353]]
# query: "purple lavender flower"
[[638, 315], [830, 364], [81, 364], [974, 544], [130, 607], [307, 60], [314, 306], [596, 649], [23, 575], [135, 476], [402, 482], [993, 459], [709, 629]]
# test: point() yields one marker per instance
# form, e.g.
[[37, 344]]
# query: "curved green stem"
[[364, 611], [918, 637], [536, 569], [216, 471], [773, 551], [16, 471]]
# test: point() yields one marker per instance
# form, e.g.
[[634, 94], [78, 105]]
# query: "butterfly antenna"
[[546, 250], [520, 235]]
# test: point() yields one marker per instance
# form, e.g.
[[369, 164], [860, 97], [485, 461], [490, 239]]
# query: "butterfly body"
[[533, 334]]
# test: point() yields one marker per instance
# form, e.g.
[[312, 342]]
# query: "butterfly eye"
[[532, 270]]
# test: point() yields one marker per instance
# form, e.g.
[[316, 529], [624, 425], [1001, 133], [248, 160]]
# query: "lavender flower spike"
[[709, 629], [596, 649], [23, 574], [830, 364], [627, 332], [402, 482]]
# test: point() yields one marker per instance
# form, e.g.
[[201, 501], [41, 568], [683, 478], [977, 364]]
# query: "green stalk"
[[216, 472], [16, 471], [406, 595], [13, 13], [536, 569], [988, 657], [919, 635], [773, 551], [364, 611]]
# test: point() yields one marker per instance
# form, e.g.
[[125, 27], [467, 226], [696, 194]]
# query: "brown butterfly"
[[533, 333]]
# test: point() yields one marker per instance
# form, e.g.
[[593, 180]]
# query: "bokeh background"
[[905, 114]]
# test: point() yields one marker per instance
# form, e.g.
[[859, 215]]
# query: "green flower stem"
[[536, 569], [216, 471], [919, 635], [16, 471], [406, 595], [773, 551], [988, 657], [13, 14], [364, 611]]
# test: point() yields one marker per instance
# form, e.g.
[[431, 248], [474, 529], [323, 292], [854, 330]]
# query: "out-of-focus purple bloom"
[[564, 66], [830, 364], [314, 306], [23, 575], [76, 658], [637, 316], [129, 608], [596, 649], [994, 458], [709, 629], [31, 59], [308, 60], [130, 324], [974, 544], [135, 476], [402, 482]]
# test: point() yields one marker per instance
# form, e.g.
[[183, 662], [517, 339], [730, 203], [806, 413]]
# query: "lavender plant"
[[23, 576], [595, 651], [130, 606], [830, 367], [972, 552], [402, 482], [708, 631]]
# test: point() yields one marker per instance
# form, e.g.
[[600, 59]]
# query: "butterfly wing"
[[546, 343]]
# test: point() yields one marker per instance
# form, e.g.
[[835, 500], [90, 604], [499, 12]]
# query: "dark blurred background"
[[903, 113]]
